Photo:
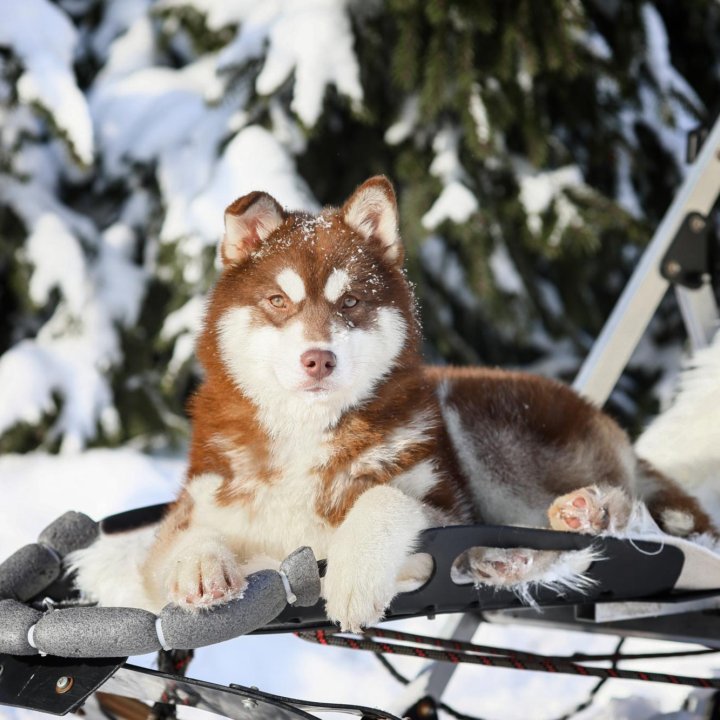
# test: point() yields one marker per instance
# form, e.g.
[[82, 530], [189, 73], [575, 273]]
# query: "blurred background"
[[534, 147]]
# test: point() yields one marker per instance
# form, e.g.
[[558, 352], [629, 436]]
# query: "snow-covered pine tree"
[[533, 145]]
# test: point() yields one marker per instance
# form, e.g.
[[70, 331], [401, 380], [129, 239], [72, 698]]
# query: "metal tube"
[[637, 304]]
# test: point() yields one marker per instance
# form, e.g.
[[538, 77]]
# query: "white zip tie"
[[289, 594], [161, 635], [31, 636], [31, 640]]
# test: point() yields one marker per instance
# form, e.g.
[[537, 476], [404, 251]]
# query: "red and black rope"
[[461, 652], [448, 644], [579, 707]]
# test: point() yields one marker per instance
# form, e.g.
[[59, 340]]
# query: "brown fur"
[[541, 414]]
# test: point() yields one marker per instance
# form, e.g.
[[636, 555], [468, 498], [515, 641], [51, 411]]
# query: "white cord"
[[645, 552]]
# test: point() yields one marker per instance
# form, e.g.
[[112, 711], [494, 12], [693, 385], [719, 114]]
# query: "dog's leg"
[[676, 512], [368, 552], [592, 509], [191, 563]]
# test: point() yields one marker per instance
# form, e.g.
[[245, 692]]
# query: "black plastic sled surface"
[[627, 570]]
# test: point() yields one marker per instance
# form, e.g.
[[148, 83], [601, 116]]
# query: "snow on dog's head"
[[311, 310]]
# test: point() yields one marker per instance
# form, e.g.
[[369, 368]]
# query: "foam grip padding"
[[28, 571], [263, 600], [301, 569], [94, 632], [71, 531], [16, 620]]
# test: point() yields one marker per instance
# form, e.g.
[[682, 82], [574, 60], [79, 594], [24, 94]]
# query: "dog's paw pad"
[[496, 566], [583, 511], [205, 580]]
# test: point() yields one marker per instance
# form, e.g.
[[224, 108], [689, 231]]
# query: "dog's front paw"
[[204, 576], [356, 600]]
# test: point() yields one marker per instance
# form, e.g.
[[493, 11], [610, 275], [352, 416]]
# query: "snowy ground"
[[37, 488]]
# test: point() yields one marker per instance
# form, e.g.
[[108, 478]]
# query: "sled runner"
[[55, 653]]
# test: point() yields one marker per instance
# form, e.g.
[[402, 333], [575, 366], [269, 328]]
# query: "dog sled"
[[55, 652]]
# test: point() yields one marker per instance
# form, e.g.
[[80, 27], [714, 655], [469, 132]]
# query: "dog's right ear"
[[372, 212], [248, 222]]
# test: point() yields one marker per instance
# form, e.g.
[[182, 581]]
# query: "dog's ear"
[[372, 212], [248, 221]]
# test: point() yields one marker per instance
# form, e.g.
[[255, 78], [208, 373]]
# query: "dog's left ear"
[[372, 212]]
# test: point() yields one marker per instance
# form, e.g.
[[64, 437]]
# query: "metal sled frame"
[[632, 592]]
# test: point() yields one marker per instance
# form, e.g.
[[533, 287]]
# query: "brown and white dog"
[[318, 424]]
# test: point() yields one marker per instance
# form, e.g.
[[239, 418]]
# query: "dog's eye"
[[277, 301], [349, 301]]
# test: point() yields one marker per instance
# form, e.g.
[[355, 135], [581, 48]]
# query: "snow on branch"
[[308, 40], [44, 40]]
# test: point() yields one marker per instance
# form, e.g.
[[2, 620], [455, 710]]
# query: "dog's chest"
[[276, 514]]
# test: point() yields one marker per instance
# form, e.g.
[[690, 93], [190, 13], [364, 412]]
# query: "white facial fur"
[[336, 285], [265, 363], [291, 284]]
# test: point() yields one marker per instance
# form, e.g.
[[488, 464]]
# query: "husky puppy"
[[318, 424]]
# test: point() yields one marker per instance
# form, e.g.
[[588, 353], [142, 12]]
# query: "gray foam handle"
[[301, 570], [89, 632], [263, 600], [71, 531], [28, 571], [96, 632], [16, 620]]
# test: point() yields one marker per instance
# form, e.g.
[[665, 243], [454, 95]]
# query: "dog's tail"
[[683, 443]]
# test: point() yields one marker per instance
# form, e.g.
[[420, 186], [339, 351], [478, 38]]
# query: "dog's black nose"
[[318, 364]]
